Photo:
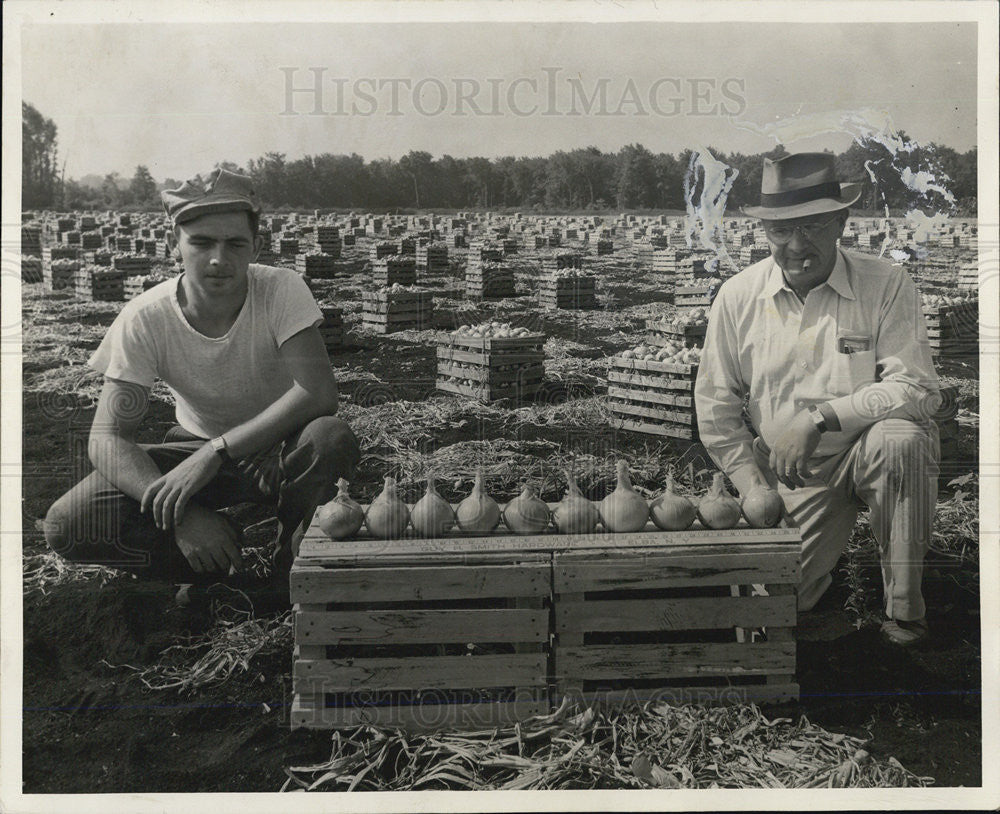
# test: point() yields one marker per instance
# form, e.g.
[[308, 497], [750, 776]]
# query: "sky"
[[180, 97]]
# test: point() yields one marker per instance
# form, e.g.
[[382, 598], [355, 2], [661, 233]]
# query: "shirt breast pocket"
[[853, 370]]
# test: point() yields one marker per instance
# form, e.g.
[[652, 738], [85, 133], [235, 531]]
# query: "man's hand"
[[208, 542], [790, 455], [169, 494]]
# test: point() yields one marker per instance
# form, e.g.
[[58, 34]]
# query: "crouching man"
[[830, 349], [237, 345]]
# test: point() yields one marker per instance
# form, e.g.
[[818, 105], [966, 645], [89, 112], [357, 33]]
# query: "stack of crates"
[[332, 328], [328, 240], [59, 274], [99, 284], [953, 330], [394, 270], [569, 289], [316, 264], [397, 309], [663, 332], [134, 286], [488, 279], [491, 368], [432, 258], [380, 249], [653, 397], [688, 298], [131, 265]]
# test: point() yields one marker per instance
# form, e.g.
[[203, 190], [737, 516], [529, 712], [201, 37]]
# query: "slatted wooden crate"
[[332, 328], [387, 311], [393, 270], [690, 297], [96, 283], [676, 616], [52, 253], [953, 330], [661, 333], [131, 264], [605, 247], [381, 249], [652, 397], [59, 274], [432, 258], [316, 264], [753, 254], [418, 634], [31, 269], [489, 280], [134, 286], [968, 277], [491, 368], [573, 292]]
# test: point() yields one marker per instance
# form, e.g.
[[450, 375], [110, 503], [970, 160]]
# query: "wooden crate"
[[660, 333], [134, 286], [676, 616], [689, 297], [31, 269], [59, 274], [318, 265], [953, 330], [388, 311], [332, 329], [487, 279], [132, 264], [491, 368], [96, 283], [578, 292], [393, 269], [418, 634], [652, 397]]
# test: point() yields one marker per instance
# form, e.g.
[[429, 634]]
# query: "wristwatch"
[[221, 449], [818, 419]]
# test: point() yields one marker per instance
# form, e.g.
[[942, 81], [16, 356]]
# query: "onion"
[[718, 509], [671, 511], [433, 515], [342, 517], [575, 514], [388, 516], [526, 513], [762, 507], [478, 513], [624, 509]]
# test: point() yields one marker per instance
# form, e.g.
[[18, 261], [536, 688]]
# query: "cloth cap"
[[800, 185], [222, 191]]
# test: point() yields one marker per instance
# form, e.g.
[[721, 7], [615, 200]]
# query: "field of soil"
[[94, 641]]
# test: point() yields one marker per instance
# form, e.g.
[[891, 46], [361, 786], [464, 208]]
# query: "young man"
[[832, 351], [237, 345]]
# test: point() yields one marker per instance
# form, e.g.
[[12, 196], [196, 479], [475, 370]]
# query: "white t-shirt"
[[217, 383]]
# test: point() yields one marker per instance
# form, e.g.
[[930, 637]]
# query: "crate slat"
[[703, 696], [417, 672], [652, 412], [420, 626], [314, 584], [423, 718], [655, 382], [691, 613], [670, 399], [668, 661]]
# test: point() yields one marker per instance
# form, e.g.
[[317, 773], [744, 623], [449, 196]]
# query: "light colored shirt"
[[857, 344], [218, 383]]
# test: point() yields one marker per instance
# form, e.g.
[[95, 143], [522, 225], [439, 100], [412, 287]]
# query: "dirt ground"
[[91, 726]]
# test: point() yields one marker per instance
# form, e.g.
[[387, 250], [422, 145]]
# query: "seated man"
[[237, 345], [831, 349]]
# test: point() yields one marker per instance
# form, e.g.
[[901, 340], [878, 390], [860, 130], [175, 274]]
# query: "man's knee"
[[333, 442], [900, 442], [58, 525]]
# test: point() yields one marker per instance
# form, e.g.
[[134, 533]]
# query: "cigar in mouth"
[[805, 264]]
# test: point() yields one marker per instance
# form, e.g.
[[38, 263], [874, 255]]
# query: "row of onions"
[[624, 510]]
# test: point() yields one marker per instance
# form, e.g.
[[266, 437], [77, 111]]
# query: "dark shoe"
[[905, 634]]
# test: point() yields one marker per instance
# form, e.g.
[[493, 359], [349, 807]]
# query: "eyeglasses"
[[809, 231]]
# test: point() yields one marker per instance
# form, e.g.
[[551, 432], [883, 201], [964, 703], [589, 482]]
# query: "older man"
[[829, 351], [237, 344]]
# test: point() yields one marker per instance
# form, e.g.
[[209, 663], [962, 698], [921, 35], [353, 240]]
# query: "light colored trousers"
[[893, 468]]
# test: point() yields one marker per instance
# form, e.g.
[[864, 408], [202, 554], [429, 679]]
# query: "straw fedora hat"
[[800, 185]]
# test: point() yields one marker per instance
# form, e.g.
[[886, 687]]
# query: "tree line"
[[586, 179]]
